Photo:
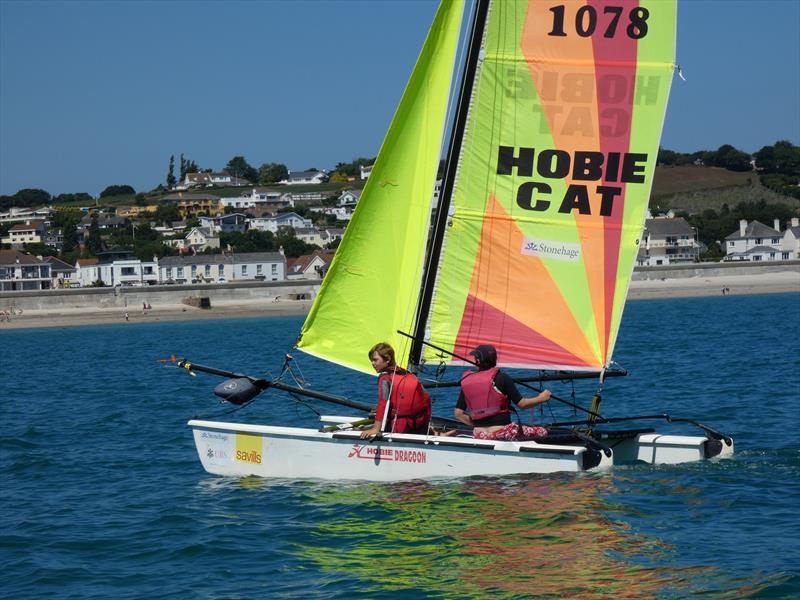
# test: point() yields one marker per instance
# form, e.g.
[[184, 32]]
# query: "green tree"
[[239, 167], [94, 242], [171, 172], [25, 198], [117, 190], [272, 173]]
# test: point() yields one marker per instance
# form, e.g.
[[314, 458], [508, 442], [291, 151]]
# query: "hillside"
[[694, 189]]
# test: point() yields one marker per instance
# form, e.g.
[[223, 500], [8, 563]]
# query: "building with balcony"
[[22, 272], [667, 241], [754, 242]]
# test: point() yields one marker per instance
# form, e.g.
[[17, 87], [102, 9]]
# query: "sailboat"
[[552, 141]]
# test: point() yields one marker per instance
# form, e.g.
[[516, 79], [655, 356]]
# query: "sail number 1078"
[[586, 21]]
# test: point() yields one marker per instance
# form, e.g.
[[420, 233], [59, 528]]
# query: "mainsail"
[[553, 180], [371, 288], [547, 198]]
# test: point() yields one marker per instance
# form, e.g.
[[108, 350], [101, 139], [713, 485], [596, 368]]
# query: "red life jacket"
[[482, 398], [409, 403]]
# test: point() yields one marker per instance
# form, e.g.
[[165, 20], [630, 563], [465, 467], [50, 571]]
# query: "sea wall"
[[726, 269], [123, 297]]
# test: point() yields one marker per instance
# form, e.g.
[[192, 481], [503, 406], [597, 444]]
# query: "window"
[[221, 270], [244, 269], [259, 269], [128, 271], [208, 270], [274, 269], [194, 270], [180, 272], [785, 256], [169, 272]]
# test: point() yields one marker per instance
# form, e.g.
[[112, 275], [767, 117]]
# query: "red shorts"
[[510, 432]]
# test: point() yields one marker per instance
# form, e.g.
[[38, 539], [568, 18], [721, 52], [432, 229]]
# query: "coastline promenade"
[[104, 306]]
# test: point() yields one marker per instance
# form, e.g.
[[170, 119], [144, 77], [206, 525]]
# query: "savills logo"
[[251, 457], [249, 448]]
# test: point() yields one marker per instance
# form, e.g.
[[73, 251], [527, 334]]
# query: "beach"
[[733, 285]]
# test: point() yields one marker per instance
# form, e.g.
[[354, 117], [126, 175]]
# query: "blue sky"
[[98, 93]]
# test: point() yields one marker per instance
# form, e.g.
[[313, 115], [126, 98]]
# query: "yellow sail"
[[371, 288]]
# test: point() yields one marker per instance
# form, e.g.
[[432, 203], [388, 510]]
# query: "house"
[[222, 179], [305, 178], [29, 232], [23, 215], [331, 235], [790, 243], [273, 224], [115, 268], [261, 199], [220, 268], [192, 205], [309, 235], [309, 266], [667, 241], [200, 238], [54, 238], [349, 199], [753, 242], [341, 213], [61, 273], [260, 266], [366, 170], [104, 223], [202, 268], [225, 223], [20, 271], [306, 198]]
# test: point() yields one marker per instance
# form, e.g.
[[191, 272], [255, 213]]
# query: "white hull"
[[236, 449]]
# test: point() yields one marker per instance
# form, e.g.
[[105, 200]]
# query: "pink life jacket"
[[482, 398]]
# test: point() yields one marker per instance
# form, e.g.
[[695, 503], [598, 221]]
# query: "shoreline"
[[692, 287]]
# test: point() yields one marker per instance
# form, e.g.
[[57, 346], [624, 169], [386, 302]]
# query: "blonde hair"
[[384, 350]]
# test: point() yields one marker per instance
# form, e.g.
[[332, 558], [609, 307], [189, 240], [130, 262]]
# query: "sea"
[[102, 494]]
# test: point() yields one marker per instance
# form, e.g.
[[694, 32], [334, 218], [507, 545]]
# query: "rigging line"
[[429, 273]]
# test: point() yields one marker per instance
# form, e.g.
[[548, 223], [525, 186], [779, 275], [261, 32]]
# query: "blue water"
[[102, 494]]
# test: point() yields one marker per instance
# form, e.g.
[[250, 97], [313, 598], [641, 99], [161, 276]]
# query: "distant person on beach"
[[409, 403], [126, 317], [484, 402]]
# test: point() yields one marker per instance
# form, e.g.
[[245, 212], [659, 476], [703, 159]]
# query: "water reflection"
[[540, 536]]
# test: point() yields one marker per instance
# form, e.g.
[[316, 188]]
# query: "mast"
[[451, 163]]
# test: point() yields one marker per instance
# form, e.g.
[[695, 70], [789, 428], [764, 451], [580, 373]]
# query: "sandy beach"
[[734, 285]]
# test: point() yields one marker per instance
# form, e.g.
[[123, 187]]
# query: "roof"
[[795, 231], [85, 262], [199, 259], [754, 229], [676, 226], [33, 225], [253, 257], [56, 264], [14, 257], [301, 263]]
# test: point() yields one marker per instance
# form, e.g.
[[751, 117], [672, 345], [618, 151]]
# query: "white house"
[[25, 215], [113, 271], [61, 274], [201, 268], [260, 198], [753, 242], [20, 271], [273, 224], [309, 266], [261, 266], [349, 199], [200, 238], [365, 171], [221, 179], [790, 242], [305, 178], [667, 241]]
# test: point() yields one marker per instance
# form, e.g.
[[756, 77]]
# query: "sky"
[[97, 93]]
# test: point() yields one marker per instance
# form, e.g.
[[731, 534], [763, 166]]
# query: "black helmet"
[[485, 355]]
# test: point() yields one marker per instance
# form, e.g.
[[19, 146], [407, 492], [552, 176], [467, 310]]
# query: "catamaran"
[[552, 141]]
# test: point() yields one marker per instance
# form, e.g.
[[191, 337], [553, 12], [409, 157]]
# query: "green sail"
[[371, 288]]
